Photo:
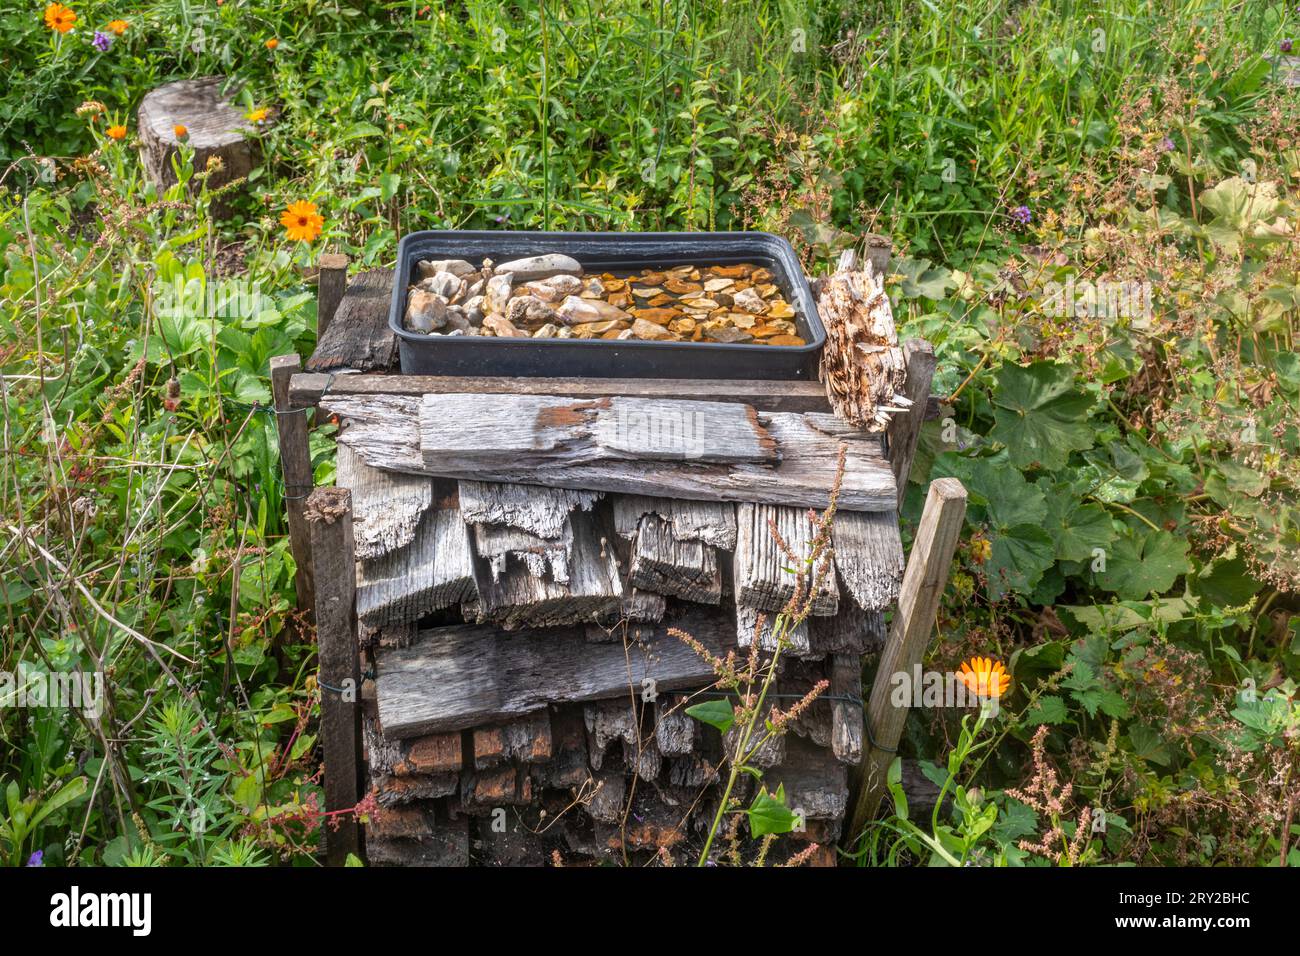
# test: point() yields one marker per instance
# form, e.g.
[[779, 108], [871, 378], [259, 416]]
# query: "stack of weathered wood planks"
[[527, 699]]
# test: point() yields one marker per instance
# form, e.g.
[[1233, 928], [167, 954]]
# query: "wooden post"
[[331, 283], [329, 516], [905, 427], [295, 463], [909, 633]]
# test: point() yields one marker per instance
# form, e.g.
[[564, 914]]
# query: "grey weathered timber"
[[909, 634], [498, 545], [331, 285], [468, 430], [674, 728], [748, 627], [712, 522], [592, 591], [861, 364], [543, 512], [610, 721], [386, 506], [665, 565], [329, 515], [815, 788], [905, 428], [764, 575], [434, 571], [766, 396], [845, 699], [215, 129], [868, 557], [850, 631], [384, 430], [295, 465], [486, 674], [359, 337]]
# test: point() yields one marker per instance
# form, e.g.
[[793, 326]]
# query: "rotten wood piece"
[[543, 512], [712, 522], [387, 506], [385, 430], [764, 575], [868, 557], [664, 564], [359, 337]]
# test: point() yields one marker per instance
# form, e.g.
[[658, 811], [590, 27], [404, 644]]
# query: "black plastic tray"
[[602, 358]]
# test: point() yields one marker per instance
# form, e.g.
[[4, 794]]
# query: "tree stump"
[[214, 125]]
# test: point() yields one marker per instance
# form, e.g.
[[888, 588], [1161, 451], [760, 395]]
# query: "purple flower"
[[37, 858], [1022, 215], [101, 41], [1166, 145], [502, 219], [1286, 46]]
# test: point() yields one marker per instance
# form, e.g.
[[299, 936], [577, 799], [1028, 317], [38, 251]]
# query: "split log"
[[359, 337], [543, 512], [666, 565], [215, 128], [862, 366], [385, 430], [713, 523], [486, 674], [868, 557], [762, 572]]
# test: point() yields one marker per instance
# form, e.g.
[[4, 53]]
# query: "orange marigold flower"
[[272, 43], [180, 132], [118, 27], [258, 115], [985, 677], [116, 132], [58, 17], [301, 221]]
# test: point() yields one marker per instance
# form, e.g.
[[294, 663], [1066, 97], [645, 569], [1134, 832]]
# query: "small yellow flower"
[[272, 43], [258, 115], [980, 549], [180, 132], [118, 27], [116, 132], [985, 677], [301, 221], [58, 17]]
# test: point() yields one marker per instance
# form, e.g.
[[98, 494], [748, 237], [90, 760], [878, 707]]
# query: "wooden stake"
[[909, 633], [331, 283], [329, 517], [905, 427], [295, 463]]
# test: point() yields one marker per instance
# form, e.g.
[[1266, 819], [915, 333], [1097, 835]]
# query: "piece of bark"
[[215, 128], [359, 337], [609, 721], [674, 728], [385, 431], [484, 674], [862, 366], [606, 803], [763, 573], [868, 557]]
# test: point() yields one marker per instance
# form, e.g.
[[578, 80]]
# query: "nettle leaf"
[[769, 814], [1076, 527], [1039, 415], [1141, 562], [1048, 710], [715, 713]]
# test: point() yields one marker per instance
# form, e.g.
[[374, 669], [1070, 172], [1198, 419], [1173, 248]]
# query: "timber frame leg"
[[329, 516], [909, 635]]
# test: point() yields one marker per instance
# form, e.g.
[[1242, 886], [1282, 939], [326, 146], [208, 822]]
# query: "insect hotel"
[[558, 454]]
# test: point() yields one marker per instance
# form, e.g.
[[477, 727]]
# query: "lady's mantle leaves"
[[1142, 562], [1039, 415], [1015, 511]]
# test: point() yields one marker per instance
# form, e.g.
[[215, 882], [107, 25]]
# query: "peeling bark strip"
[[386, 506], [543, 512], [713, 523], [763, 575], [433, 572], [485, 675], [385, 430], [862, 366], [869, 557], [492, 429], [665, 565]]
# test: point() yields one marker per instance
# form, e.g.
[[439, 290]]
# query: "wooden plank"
[[816, 785], [909, 634], [434, 571], [766, 396], [747, 629], [846, 708], [465, 431], [484, 674], [763, 573], [386, 506], [329, 516], [385, 431], [905, 428], [851, 631], [665, 565], [868, 556], [499, 545], [359, 337], [543, 512], [331, 285], [526, 740], [711, 522], [295, 464]]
